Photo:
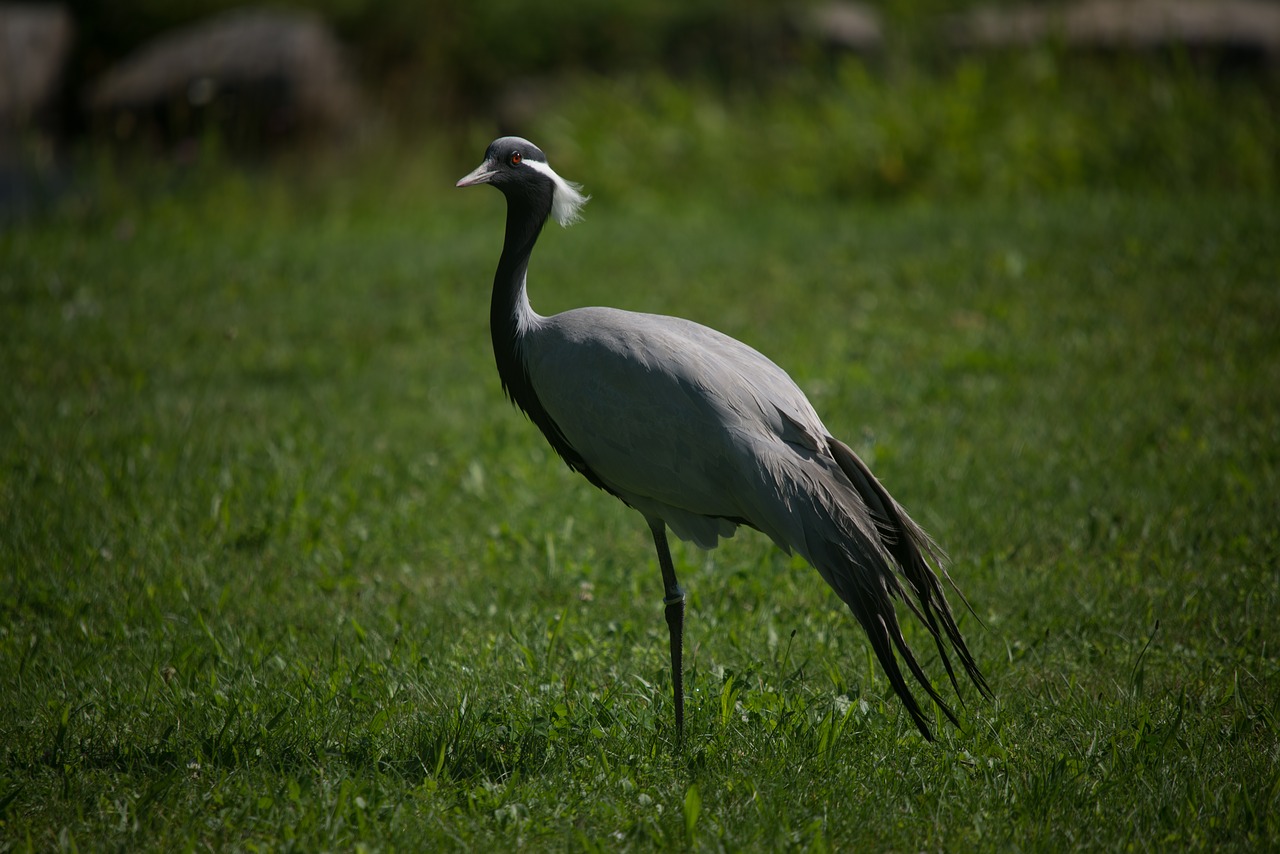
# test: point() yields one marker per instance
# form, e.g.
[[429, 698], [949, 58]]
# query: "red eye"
[[515, 158]]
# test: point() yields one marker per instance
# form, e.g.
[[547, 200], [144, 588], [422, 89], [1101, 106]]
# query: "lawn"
[[283, 570]]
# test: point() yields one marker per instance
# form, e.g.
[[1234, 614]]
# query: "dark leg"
[[673, 598]]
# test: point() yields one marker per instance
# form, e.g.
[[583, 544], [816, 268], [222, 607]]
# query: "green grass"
[[282, 569], [1033, 122]]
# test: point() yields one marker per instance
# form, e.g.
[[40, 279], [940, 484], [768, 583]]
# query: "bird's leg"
[[673, 599]]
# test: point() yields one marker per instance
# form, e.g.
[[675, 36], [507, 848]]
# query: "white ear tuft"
[[566, 205], [567, 199]]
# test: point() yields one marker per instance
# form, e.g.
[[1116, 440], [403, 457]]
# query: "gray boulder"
[[1251, 26], [257, 74], [843, 26], [34, 43]]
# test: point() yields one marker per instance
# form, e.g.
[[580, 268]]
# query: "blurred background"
[[795, 98]]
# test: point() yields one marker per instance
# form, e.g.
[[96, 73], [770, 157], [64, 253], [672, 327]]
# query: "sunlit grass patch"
[[283, 569]]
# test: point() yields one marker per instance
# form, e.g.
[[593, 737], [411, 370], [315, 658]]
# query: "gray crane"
[[700, 433]]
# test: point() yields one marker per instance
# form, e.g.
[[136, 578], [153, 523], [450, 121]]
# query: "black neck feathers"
[[511, 317]]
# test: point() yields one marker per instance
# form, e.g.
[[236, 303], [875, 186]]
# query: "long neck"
[[509, 311], [511, 319]]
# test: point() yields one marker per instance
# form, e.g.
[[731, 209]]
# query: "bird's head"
[[518, 168]]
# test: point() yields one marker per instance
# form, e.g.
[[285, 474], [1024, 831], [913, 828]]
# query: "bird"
[[702, 434]]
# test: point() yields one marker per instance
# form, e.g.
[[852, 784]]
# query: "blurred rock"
[[1247, 26], [34, 43], [256, 75], [843, 26]]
